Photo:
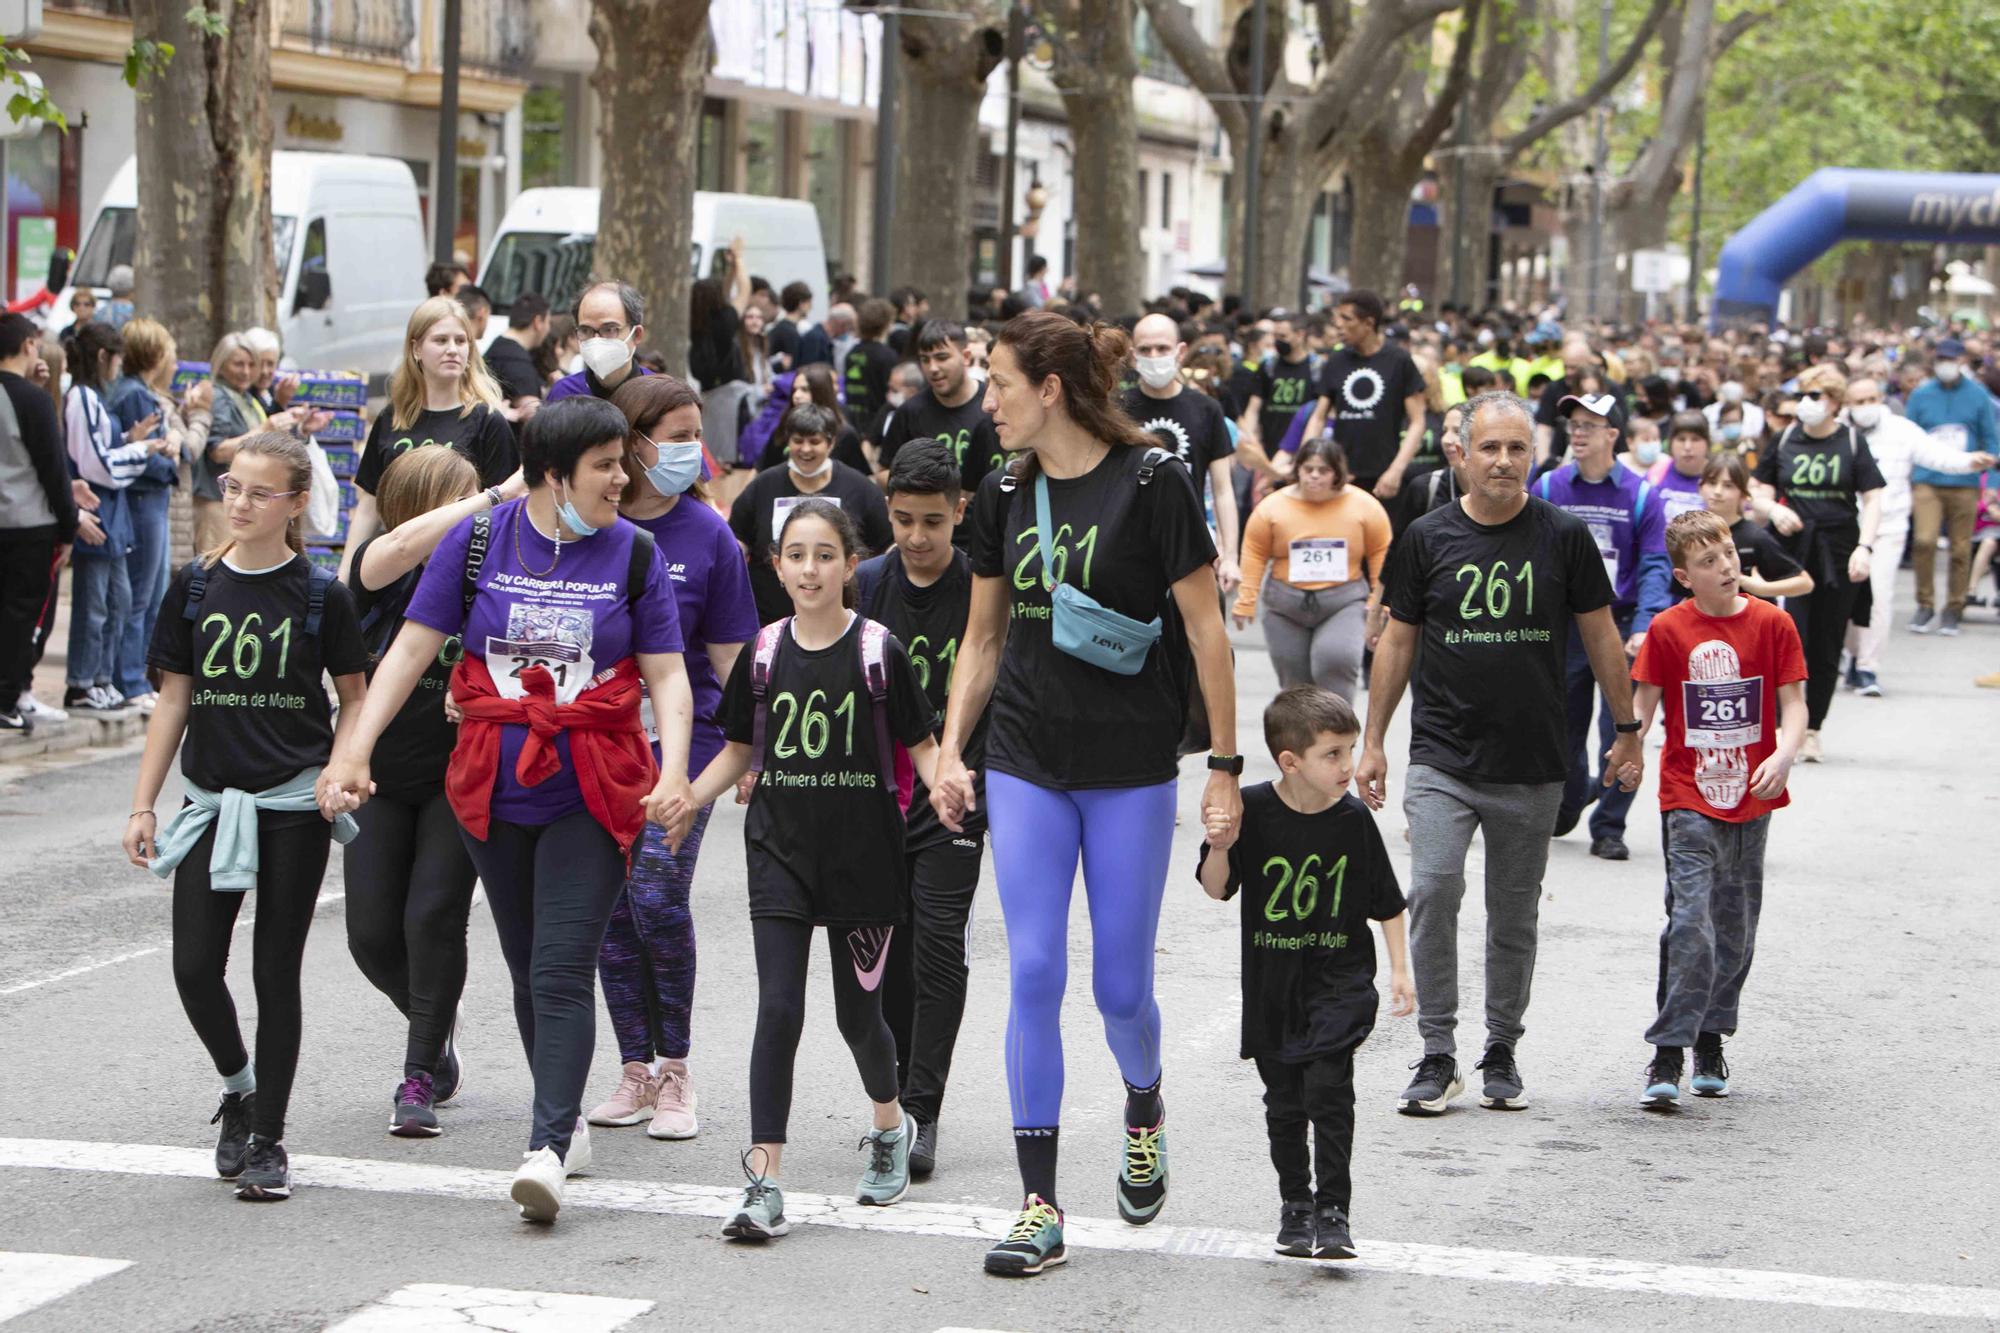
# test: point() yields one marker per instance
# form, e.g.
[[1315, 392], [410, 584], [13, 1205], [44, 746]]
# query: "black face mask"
[[1284, 346]]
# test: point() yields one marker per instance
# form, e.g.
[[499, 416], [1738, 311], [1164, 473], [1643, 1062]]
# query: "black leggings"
[[1821, 617], [409, 891], [551, 888], [929, 966], [1319, 1092], [291, 860], [783, 946]]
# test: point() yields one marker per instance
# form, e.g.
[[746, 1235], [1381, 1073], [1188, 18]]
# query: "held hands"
[[1625, 762], [1222, 810], [1241, 622], [1227, 576], [1371, 777], [343, 787], [745, 785], [141, 840], [1768, 782], [1388, 484], [1402, 993], [1859, 565], [953, 797], [671, 805], [1634, 644]]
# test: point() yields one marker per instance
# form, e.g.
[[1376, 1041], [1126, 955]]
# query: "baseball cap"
[[1951, 349], [1603, 404]]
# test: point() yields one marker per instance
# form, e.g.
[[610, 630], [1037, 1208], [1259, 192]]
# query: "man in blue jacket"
[[1955, 409], [1625, 513]]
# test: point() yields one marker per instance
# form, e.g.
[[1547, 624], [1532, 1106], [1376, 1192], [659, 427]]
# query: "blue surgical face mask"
[[1646, 452], [679, 466], [1732, 430], [572, 520]]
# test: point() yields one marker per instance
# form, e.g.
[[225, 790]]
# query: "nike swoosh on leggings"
[[869, 946]]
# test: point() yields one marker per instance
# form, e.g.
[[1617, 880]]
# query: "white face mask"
[[1867, 416], [1812, 411], [606, 356], [1671, 374], [1157, 372], [1948, 372], [1732, 392], [825, 466]]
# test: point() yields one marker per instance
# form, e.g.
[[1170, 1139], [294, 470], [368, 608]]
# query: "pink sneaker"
[[633, 1102], [673, 1111]]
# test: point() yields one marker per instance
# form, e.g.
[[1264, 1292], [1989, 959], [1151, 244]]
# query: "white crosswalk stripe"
[[431, 1307], [31, 1280]]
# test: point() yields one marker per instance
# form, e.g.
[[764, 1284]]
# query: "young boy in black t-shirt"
[[1317, 872]]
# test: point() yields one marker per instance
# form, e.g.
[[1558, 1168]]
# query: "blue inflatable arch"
[[1833, 205]]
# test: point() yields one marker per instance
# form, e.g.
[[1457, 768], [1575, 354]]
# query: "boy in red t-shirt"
[[1731, 671]]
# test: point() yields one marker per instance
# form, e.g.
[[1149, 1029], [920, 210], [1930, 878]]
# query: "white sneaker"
[[32, 707], [578, 1160], [538, 1185]]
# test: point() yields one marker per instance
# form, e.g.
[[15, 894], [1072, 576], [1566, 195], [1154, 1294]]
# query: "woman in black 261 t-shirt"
[[1081, 759], [245, 637]]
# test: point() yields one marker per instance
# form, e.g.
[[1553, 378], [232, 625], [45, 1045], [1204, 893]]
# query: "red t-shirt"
[[1719, 679]]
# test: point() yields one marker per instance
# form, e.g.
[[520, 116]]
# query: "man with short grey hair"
[[610, 328], [1491, 585]]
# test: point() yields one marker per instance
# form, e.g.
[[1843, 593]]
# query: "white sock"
[[658, 1066], [243, 1080]]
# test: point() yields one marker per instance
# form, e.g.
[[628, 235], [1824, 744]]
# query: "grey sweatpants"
[[1443, 811], [1316, 637], [1715, 891]]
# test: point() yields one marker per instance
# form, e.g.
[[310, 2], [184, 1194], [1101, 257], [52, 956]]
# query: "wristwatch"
[[1231, 764], [1628, 728]]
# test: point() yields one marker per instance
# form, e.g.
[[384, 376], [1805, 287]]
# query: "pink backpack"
[[899, 775]]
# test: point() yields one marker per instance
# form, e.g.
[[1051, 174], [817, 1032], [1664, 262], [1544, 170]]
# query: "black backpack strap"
[[320, 579], [871, 578], [475, 555], [1151, 462], [635, 566], [196, 590]]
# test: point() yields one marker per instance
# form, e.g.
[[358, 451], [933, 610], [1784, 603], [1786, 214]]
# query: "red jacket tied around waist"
[[614, 762]]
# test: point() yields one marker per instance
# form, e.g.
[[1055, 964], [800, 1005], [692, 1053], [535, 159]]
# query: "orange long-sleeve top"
[[1352, 515]]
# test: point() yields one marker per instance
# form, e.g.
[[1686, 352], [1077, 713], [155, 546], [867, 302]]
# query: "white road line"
[[988, 1224], [33, 983], [31, 1280], [432, 1307]]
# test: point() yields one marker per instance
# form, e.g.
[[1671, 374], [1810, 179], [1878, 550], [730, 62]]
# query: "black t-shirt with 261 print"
[[415, 747], [824, 837], [258, 715], [482, 435], [1056, 720]]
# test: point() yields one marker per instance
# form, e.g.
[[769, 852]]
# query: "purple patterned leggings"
[[646, 965]]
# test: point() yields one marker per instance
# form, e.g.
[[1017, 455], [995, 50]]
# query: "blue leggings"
[[1125, 836], [646, 964]]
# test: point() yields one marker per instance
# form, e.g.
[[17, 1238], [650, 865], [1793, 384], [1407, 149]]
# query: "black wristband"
[[1629, 728]]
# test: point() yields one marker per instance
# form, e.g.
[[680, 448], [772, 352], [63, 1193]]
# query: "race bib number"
[[1722, 714], [555, 638], [784, 505], [1610, 559], [1319, 560], [1951, 435]]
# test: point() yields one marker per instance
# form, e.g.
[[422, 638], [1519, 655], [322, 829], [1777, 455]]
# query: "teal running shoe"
[[1034, 1243], [1142, 1181], [1663, 1080], [1711, 1071], [761, 1216], [886, 1178]]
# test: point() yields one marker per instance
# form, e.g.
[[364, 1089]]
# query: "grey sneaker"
[[761, 1216], [1436, 1083], [886, 1178], [1948, 623], [1503, 1091], [267, 1173], [1923, 621], [923, 1153]]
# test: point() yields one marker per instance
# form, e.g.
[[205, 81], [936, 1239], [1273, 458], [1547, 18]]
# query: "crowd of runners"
[[934, 587]]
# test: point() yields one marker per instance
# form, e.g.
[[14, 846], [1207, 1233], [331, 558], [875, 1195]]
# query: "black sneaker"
[[1610, 847], [413, 1117], [923, 1150], [1663, 1080], [1503, 1091], [1867, 686], [267, 1173], [16, 721], [1295, 1229], [234, 1117], [1948, 623], [1142, 1178], [78, 696], [450, 1074], [1436, 1083], [1923, 622], [1711, 1071], [1333, 1240]]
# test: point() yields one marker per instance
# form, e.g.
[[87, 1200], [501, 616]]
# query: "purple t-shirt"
[[1623, 513], [1678, 493], [583, 384], [577, 620], [712, 586]]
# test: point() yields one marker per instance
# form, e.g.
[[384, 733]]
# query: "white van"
[[349, 236], [547, 243]]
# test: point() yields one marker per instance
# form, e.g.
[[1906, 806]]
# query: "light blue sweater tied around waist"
[[232, 864]]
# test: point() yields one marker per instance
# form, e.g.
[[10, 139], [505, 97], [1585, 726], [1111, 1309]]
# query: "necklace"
[[522, 560]]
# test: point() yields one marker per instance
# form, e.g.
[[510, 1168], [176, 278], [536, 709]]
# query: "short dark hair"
[[1301, 715], [1037, 266], [811, 419], [559, 435], [926, 467], [874, 318], [1476, 380], [937, 332], [470, 296], [1366, 304], [16, 332], [1691, 422], [438, 277], [629, 299], [795, 295], [527, 308]]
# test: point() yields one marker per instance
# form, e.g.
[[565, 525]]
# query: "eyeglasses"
[[1587, 429], [614, 331], [258, 497]]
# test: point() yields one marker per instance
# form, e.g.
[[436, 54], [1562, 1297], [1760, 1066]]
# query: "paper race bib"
[[1610, 559], [784, 505], [555, 637], [1722, 714], [1319, 560]]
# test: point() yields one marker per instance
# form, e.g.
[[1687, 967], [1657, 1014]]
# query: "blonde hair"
[[147, 343], [406, 382], [290, 451], [1826, 377], [423, 480], [227, 346]]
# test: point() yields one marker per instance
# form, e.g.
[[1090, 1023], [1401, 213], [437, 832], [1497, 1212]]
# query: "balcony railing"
[[496, 36], [372, 29]]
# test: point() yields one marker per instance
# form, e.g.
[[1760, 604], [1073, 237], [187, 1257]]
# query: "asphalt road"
[[1848, 1183]]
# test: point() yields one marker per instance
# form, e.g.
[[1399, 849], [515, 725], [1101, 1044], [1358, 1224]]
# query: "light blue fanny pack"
[[1079, 624]]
